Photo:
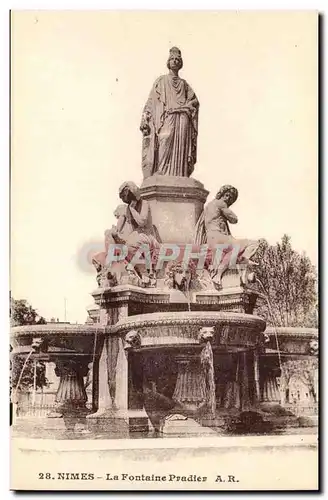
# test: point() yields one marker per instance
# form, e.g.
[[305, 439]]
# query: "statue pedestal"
[[176, 204]]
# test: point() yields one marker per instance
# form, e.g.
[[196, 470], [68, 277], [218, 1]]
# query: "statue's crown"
[[175, 52]]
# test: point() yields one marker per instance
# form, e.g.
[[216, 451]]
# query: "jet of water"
[[208, 367], [273, 321], [22, 371], [188, 292]]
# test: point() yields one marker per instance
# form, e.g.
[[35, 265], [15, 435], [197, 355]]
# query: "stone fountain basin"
[[293, 340], [57, 339], [178, 328]]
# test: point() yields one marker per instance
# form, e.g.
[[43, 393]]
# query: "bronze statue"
[[169, 124]]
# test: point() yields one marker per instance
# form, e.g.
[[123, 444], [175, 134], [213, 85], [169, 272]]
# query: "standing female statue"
[[213, 228], [169, 124]]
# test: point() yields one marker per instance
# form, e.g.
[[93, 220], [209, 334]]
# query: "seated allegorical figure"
[[99, 259], [137, 228], [133, 229], [213, 228]]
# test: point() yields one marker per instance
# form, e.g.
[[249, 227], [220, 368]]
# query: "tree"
[[22, 313], [289, 281], [304, 370], [27, 378]]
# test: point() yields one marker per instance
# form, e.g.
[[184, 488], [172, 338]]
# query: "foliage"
[[304, 370], [22, 313], [289, 280], [27, 379]]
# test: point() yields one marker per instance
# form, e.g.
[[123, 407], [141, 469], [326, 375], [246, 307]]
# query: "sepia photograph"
[[164, 308]]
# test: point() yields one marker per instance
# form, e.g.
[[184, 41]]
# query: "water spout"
[[34, 384], [22, 371], [208, 367], [188, 295], [273, 321], [187, 290]]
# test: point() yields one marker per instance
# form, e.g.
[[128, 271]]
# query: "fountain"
[[71, 348], [175, 346]]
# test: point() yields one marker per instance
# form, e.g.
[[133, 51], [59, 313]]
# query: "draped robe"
[[170, 148]]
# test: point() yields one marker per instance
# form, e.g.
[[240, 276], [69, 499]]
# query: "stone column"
[[71, 395], [121, 377], [136, 416], [95, 384], [112, 381], [239, 388], [190, 389], [231, 393], [104, 400], [117, 365], [245, 399], [270, 391]]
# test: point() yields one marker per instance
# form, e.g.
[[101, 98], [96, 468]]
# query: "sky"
[[79, 83]]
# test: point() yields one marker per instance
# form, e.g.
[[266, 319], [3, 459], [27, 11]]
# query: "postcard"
[[164, 250]]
